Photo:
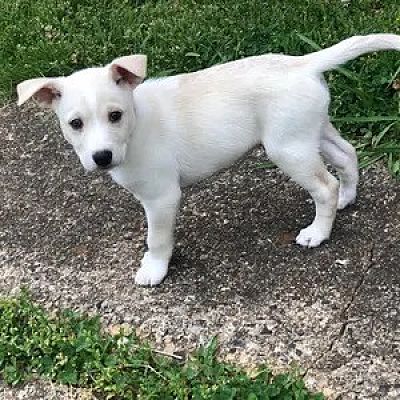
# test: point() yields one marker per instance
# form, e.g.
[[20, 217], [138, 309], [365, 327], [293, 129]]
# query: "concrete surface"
[[75, 241]]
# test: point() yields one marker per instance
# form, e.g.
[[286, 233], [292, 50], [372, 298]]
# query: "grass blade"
[[376, 140], [393, 77], [378, 118], [369, 161], [386, 149]]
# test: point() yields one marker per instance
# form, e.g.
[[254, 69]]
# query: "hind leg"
[[297, 154], [323, 188], [342, 155]]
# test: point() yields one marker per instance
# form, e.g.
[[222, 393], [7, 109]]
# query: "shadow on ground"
[[75, 240]]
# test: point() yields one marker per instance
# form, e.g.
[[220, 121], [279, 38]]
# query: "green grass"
[[51, 37], [72, 349]]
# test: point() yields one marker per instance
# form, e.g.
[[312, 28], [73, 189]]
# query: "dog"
[[156, 136]]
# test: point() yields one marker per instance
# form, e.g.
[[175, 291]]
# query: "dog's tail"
[[332, 57]]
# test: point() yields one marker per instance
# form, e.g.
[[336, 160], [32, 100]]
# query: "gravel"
[[75, 241]]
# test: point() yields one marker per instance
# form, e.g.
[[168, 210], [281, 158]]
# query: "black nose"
[[103, 158]]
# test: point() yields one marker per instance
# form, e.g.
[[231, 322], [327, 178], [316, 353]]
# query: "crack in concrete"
[[343, 313]]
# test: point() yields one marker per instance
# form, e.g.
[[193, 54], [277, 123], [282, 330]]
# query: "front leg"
[[161, 215]]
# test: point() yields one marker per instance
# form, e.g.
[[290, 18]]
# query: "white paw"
[[152, 271], [312, 236], [347, 196]]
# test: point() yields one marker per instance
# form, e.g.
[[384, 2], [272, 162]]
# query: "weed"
[[72, 349]]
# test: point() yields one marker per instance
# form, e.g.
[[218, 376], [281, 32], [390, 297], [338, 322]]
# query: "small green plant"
[[72, 349]]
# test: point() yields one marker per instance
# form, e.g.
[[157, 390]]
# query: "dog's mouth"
[[100, 168], [106, 167]]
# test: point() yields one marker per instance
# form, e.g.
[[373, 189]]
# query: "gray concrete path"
[[75, 240]]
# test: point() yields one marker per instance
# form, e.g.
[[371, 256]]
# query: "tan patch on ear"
[[123, 75], [130, 70], [46, 95], [43, 90]]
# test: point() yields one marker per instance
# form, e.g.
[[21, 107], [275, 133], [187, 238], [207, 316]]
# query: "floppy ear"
[[129, 70], [43, 90]]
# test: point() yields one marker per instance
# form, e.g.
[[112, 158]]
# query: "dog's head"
[[94, 106]]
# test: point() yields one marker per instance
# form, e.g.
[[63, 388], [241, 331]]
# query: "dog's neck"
[[148, 140]]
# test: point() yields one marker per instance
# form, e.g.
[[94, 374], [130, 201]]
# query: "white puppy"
[[158, 136]]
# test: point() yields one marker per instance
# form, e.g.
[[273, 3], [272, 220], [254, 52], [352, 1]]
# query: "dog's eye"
[[76, 124], [114, 116]]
